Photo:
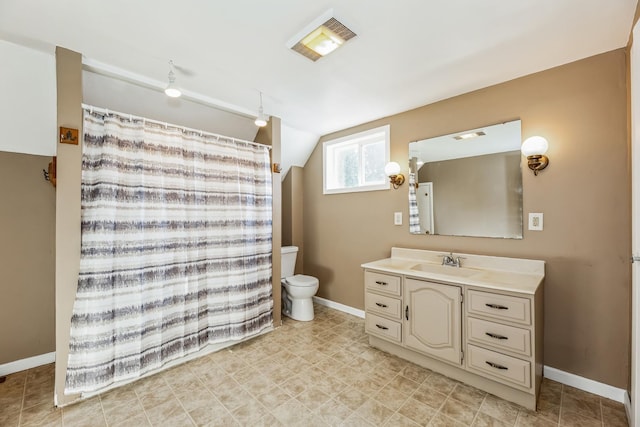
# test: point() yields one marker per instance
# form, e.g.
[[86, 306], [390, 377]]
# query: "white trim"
[[28, 363], [339, 307], [585, 384]]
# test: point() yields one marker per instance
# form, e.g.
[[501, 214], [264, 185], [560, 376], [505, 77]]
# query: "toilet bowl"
[[297, 290]]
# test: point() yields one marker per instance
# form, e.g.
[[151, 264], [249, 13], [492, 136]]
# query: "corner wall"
[[581, 108], [27, 260]]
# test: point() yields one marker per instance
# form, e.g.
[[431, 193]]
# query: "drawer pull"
[[379, 282], [497, 306], [495, 365], [496, 336], [382, 305], [384, 328]]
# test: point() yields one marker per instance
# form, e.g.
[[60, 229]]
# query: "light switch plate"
[[397, 218], [536, 221]]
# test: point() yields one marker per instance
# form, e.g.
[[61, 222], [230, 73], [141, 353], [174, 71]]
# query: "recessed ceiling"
[[406, 54]]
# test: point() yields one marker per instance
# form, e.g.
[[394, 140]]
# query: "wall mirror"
[[468, 183]]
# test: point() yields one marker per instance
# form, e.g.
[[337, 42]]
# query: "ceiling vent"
[[321, 37]]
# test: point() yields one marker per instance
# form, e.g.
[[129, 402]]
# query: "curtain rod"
[[107, 111]]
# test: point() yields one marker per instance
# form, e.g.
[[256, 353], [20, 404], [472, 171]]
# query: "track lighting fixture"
[[171, 89], [261, 120]]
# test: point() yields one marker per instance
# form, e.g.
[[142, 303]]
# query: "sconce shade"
[[391, 169], [535, 145]]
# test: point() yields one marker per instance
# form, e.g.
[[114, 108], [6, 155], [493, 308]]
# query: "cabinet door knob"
[[381, 305], [497, 306], [384, 328], [497, 366], [496, 336]]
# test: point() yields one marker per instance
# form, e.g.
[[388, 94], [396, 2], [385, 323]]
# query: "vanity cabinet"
[[432, 319], [482, 325]]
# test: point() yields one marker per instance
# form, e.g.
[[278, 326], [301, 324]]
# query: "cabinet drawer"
[[500, 336], [384, 328], [385, 283], [504, 307], [381, 304], [499, 366]]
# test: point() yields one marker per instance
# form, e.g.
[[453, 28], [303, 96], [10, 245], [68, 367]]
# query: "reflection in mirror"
[[468, 183]]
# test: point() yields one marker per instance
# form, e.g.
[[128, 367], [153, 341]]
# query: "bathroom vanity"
[[478, 320]]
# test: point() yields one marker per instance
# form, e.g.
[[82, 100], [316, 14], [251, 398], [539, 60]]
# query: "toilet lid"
[[302, 280]]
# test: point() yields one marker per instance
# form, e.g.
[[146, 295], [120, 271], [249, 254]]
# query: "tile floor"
[[319, 373]]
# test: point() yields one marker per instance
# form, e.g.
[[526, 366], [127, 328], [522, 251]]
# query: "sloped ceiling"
[[406, 54]]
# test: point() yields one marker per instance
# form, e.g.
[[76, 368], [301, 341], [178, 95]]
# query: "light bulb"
[[392, 168]]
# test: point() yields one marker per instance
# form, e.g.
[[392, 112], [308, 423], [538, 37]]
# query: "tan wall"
[[292, 213], [27, 260], [584, 193]]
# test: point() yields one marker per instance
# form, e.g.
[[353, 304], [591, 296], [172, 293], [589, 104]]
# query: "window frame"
[[359, 139]]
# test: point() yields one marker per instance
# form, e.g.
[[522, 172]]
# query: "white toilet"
[[297, 290]]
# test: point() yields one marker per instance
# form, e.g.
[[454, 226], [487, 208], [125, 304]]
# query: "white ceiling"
[[406, 54]]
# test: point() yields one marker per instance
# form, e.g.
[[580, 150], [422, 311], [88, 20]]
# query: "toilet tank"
[[288, 261]]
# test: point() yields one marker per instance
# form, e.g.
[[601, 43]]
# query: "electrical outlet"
[[397, 218], [536, 221]]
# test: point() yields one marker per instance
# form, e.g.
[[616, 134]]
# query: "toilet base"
[[301, 309]]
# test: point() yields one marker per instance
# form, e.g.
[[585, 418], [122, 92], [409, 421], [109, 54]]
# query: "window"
[[356, 162]]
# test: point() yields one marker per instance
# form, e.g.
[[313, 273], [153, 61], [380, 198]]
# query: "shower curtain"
[[176, 247], [414, 216]]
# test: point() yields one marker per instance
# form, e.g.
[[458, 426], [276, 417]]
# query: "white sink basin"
[[445, 270]]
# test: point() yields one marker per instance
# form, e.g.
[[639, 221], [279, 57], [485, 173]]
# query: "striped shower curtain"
[[176, 248]]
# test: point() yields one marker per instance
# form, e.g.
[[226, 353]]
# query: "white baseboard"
[[627, 408], [28, 363], [585, 384], [339, 307]]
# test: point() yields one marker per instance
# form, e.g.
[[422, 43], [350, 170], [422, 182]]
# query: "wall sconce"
[[392, 170], [534, 148]]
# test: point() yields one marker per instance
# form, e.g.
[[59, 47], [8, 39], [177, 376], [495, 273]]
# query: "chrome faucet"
[[451, 261]]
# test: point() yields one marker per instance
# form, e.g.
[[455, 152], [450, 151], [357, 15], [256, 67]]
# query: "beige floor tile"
[[441, 420], [468, 395], [86, 413], [138, 420], [9, 418], [548, 410], [458, 411], [164, 411], [355, 420], [351, 398], [399, 420], [123, 396], [312, 398], [585, 407], [391, 398], [290, 412], [267, 421], [531, 419], [210, 414], [417, 411], [500, 409], [484, 420], [403, 385], [572, 419], [295, 385], [374, 412], [151, 398], [249, 413], [191, 400], [43, 415], [123, 412], [429, 396], [440, 383], [333, 412], [614, 415]]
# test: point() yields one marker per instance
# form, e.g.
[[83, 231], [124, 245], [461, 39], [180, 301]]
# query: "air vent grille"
[[337, 27]]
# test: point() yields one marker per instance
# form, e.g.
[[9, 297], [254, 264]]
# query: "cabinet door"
[[432, 319]]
